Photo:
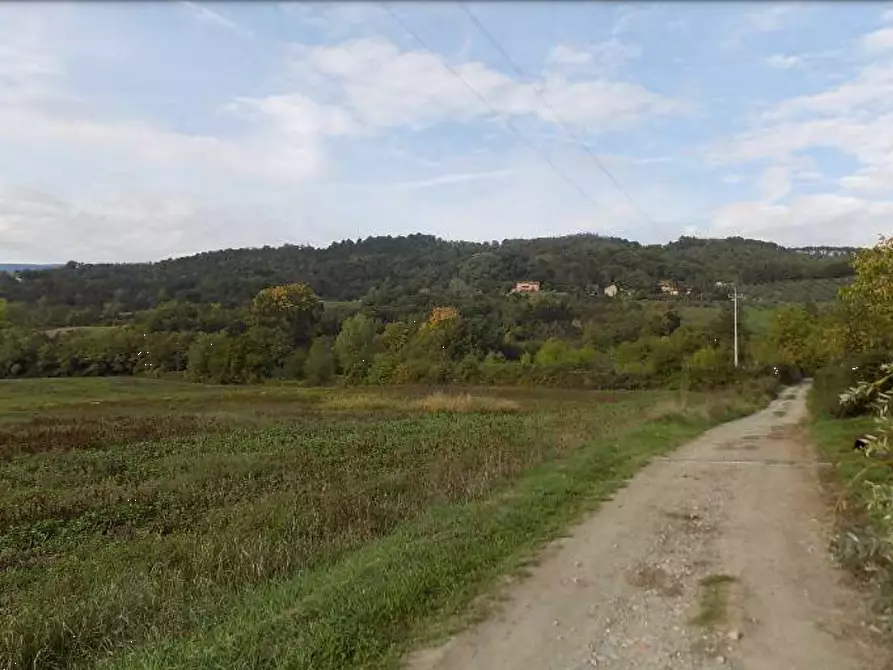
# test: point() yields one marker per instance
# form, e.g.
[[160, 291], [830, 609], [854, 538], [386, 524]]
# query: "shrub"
[[383, 369], [834, 379], [468, 370], [319, 368]]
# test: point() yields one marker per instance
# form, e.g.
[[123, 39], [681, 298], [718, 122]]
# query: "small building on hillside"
[[527, 287], [612, 291], [668, 287]]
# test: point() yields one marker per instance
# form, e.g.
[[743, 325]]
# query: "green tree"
[[868, 302], [802, 338], [319, 368], [355, 345], [211, 358], [396, 336], [555, 352], [293, 309], [709, 366]]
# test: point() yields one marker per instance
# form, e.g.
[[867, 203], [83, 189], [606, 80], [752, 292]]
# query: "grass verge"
[[856, 543]]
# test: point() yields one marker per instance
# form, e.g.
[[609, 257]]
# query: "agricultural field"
[[154, 524]]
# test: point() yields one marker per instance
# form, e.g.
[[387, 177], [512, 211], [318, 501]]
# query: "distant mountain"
[[18, 267], [390, 268]]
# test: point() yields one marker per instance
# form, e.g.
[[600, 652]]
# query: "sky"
[[143, 131]]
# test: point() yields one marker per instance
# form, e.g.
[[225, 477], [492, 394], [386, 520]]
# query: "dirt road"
[[715, 556]]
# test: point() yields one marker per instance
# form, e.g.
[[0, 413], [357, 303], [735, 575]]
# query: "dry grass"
[[362, 402], [446, 402], [433, 402]]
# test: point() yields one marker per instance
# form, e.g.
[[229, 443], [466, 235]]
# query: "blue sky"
[[140, 131]]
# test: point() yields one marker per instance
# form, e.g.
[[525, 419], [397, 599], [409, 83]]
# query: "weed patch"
[[713, 601]]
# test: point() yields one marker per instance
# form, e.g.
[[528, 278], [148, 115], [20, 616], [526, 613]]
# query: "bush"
[[383, 369], [468, 370], [835, 378], [709, 367], [319, 368]]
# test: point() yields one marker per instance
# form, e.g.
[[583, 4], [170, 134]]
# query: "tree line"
[[288, 332], [390, 268], [456, 333]]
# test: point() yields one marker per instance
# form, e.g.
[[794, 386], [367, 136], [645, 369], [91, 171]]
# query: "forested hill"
[[19, 267], [405, 265]]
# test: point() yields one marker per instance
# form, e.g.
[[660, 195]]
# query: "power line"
[[495, 43], [511, 126]]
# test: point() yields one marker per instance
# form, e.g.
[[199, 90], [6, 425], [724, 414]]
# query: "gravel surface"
[[716, 556]]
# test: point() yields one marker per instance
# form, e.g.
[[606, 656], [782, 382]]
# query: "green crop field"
[[150, 524]]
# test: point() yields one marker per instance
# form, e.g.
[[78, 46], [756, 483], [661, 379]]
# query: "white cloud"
[[297, 115], [624, 16], [145, 225], [385, 87], [772, 18], [870, 181], [213, 18], [141, 209], [870, 142], [32, 75], [563, 54], [767, 19], [266, 157], [855, 118], [783, 62], [600, 59], [329, 148], [816, 219], [339, 20], [775, 183], [444, 179], [872, 89], [879, 40], [135, 228], [29, 70]]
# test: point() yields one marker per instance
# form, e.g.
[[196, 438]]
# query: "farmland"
[[163, 524]]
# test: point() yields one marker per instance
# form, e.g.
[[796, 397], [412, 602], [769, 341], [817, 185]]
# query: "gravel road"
[[716, 556]]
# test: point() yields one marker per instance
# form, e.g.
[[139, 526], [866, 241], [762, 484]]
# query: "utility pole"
[[734, 298], [736, 324]]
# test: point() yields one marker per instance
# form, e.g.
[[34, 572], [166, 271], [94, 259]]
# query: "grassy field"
[[757, 319], [149, 524]]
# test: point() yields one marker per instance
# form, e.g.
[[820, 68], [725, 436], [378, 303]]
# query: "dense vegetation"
[[386, 270], [545, 339], [852, 354], [416, 310], [156, 524]]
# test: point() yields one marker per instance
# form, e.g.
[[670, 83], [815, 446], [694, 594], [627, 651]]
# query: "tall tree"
[[293, 309], [868, 302], [355, 345]]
